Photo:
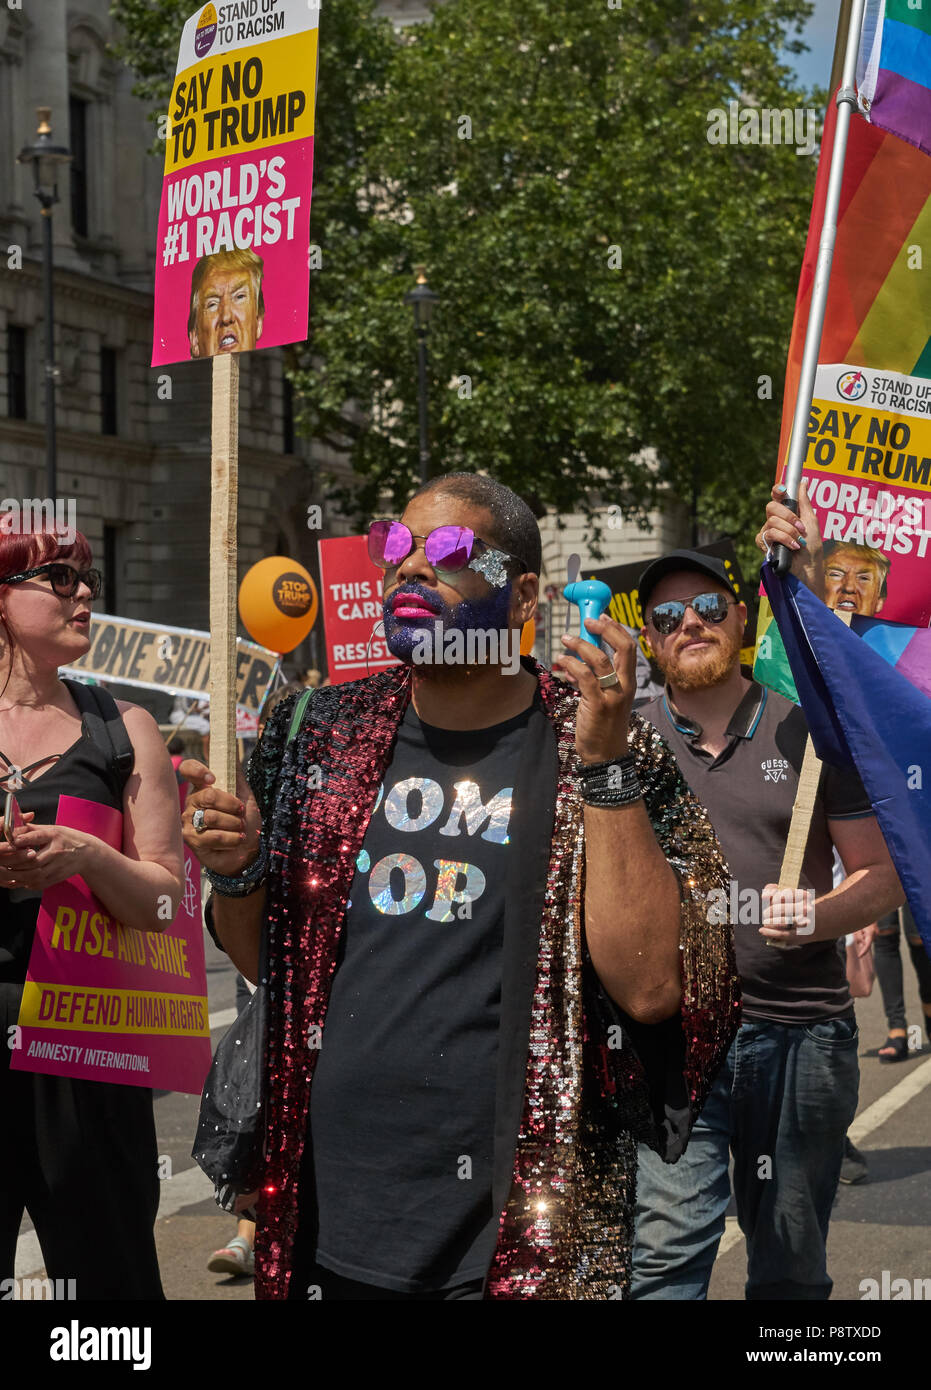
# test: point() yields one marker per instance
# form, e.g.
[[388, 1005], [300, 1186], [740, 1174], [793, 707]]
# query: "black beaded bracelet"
[[241, 885], [613, 783]]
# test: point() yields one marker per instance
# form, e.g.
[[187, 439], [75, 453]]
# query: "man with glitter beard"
[[782, 1102], [481, 921]]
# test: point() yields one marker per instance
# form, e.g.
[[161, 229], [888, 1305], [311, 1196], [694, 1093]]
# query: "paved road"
[[884, 1224]]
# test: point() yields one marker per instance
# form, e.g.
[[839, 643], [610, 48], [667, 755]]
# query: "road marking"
[[864, 1125], [883, 1109]]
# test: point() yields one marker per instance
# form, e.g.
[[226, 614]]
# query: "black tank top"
[[92, 768]]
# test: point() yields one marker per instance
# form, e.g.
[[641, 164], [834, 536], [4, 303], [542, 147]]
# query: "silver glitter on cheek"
[[492, 565]]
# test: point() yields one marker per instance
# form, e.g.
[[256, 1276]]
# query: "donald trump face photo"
[[227, 310], [855, 578]]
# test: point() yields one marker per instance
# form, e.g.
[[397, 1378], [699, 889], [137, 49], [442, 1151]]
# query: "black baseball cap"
[[682, 560]]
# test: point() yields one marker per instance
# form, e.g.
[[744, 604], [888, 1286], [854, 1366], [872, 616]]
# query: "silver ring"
[[608, 681], [197, 820]]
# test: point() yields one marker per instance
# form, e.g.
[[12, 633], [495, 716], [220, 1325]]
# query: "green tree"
[[612, 284]]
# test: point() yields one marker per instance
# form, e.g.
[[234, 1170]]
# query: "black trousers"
[[888, 961], [81, 1158]]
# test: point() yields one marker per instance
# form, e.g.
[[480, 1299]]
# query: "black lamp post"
[[45, 158], [422, 299]]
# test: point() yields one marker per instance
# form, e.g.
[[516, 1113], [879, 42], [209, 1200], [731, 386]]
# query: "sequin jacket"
[[578, 1083]]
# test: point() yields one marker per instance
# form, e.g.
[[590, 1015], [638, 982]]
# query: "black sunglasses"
[[64, 579], [710, 608]]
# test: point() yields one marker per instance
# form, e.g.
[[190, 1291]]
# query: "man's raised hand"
[[801, 533], [229, 838]]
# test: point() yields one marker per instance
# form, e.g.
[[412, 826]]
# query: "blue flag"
[[863, 713]]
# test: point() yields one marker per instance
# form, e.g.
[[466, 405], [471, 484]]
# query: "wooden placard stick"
[[224, 498], [799, 827]]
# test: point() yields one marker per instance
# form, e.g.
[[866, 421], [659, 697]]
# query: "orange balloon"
[[278, 603], [528, 635]]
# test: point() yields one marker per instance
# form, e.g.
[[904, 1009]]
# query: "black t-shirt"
[[402, 1105], [749, 791]]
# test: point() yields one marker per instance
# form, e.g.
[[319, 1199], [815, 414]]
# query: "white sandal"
[[235, 1258]]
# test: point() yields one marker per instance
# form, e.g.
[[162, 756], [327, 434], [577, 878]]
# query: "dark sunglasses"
[[711, 608], [63, 578], [448, 548]]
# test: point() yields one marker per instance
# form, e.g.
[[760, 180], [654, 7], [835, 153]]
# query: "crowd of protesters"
[[434, 1125]]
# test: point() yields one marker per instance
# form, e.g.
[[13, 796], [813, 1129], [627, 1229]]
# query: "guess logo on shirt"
[[399, 882], [775, 770]]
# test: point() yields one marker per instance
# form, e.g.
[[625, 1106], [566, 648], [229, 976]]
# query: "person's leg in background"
[[795, 1095], [921, 961], [17, 1148], [888, 962], [681, 1206], [94, 1194], [238, 1257]]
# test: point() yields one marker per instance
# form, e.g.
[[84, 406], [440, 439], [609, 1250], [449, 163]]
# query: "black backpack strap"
[[105, 725]]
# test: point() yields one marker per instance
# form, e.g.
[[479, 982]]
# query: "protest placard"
[[175, 660], [105, 1002], [868, 469], [351, 591], [232, 268], [233, 254]]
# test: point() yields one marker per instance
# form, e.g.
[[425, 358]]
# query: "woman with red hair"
[[79, 1156]]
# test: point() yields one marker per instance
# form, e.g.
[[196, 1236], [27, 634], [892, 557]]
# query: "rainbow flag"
[[908, 649], [879, 299], [770, 662], [863, 715], [878, 318], [894, 69]]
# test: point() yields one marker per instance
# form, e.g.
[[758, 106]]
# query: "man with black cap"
[[782, 1102]]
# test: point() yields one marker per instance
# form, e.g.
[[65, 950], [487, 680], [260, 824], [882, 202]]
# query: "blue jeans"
[[781, 1103]]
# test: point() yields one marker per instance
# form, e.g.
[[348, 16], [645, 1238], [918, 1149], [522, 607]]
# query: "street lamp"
[[422, 299], [45, 158]]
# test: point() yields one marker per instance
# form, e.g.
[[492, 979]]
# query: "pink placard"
[[104, 1002], [233, 258], [351, 591], [276, 228]]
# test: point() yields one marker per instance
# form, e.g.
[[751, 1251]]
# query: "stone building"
[[134, 442]]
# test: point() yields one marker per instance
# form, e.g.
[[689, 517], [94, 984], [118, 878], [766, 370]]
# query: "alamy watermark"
[[77, 1343], [746, 907], [38, 1289], [763, 125], [478, 646], [894, 1289], [22, 518]]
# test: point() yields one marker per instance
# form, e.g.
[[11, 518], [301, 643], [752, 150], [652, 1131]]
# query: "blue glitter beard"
[[490, 613]]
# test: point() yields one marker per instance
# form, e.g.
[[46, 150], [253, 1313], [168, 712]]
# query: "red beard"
[[713, 669]]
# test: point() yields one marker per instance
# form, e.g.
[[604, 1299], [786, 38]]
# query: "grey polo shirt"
[[749, 791]]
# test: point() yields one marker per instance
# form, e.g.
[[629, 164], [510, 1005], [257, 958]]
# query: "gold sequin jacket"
[[579, 1084]]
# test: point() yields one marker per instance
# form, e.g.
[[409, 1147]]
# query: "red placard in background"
[[351, 592]]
